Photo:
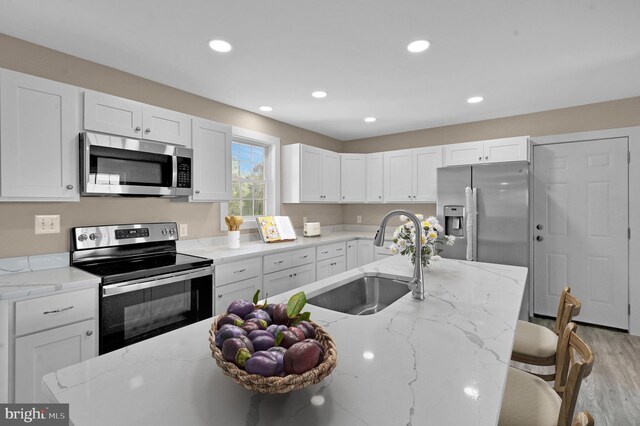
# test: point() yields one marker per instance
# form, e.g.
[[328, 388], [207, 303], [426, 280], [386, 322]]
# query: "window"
[[248, 195], [255, 183]]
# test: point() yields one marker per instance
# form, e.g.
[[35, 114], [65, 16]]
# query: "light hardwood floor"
[[612, 392]]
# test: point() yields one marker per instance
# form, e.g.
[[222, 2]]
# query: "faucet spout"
[[416, 285]]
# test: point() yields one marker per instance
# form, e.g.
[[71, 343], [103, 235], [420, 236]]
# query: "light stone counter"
[[438, 362], [45, 281]]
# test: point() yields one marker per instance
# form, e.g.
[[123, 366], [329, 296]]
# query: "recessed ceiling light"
[[418, 46], [475, 99], [266, 108], [319, 94], [220, 46], [370, 119]]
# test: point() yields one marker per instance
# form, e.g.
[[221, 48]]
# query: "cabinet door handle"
[[290, 276], [89, 333], [339, 249], [278, 262], [137, 129], [295, 275], [486, 158], [325, 252], [219, 296], [69, 186], [58, 310], [147, 130], [197, 192], [239, 270], [304, 257], [479, 158], [409, 196]]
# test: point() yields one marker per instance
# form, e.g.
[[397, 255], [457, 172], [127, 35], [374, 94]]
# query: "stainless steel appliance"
[[146, 288], [487, 208], [113, 166]]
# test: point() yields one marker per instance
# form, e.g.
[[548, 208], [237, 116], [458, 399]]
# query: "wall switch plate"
[[358, 219], [47, 224], [304, 219], [184, 230]]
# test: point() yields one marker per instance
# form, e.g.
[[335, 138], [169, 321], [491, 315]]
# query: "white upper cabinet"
[[115, 115], [426, 162], [38, 139], [398, 176], [353, 177], [489, 151], [410, 174], [375, 175], [211, 161], [463, 153], [310, 174]]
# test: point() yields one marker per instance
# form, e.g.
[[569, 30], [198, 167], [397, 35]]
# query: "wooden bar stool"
[[536, 345], [530, 401]]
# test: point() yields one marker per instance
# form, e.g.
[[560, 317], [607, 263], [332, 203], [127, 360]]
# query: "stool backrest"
[[568, 308]]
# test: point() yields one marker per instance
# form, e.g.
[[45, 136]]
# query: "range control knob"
[[82, 237], [164, 231], [172, 231], [93, 236]]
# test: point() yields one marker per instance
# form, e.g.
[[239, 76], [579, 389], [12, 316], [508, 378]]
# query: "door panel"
[[581, 205], [427, 161], [211, 161], [398, 176], [354, 177], [310, 174], [330, 177], [375, 182]]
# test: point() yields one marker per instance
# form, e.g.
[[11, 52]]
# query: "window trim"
[[272, 173]]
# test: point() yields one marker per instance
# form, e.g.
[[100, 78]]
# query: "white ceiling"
[[521, 55]]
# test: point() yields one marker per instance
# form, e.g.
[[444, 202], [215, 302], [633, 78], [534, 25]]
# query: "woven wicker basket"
[[276, 384]]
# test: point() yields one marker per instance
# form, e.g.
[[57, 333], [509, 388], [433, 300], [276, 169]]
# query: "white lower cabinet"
[[365, 252], [41, 353], [239, 290], [330, 267], [288, 279], [352, 254]]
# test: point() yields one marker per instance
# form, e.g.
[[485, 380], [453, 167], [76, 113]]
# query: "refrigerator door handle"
[[474, 225], [469, 220]]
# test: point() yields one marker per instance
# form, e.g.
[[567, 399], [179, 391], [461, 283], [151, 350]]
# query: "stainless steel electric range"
[[146, 288]]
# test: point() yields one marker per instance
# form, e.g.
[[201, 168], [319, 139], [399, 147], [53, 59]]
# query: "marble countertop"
[[223, 254], [436, 362], [46, 281]]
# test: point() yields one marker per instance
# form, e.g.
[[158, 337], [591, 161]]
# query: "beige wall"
[[604, 115], [16, 219]]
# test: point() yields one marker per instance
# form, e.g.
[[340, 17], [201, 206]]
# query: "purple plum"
[[288, 339], [263, 363], [228, 331], [269, 309], [307, 329], [275, 328], [241, 308], [301, 357], [279, 351], [250, 326], [264, 342], [235, 350], [232, 319], [260, 314], [262, 324], [280, 314]]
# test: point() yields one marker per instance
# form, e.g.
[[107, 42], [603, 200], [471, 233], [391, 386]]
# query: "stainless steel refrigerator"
[[487, 208]]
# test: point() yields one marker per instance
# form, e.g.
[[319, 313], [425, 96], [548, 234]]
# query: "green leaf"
[[278, 338], [295, 304], [255, 297], [305, 316]]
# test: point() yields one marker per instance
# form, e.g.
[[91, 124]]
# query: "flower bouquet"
[[432, 235]]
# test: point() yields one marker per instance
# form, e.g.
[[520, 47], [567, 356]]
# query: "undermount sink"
[[365, 295]]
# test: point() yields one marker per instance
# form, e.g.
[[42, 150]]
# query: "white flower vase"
[[233, 239]]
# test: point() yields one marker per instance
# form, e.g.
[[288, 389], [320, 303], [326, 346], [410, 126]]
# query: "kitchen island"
[[442, 361]]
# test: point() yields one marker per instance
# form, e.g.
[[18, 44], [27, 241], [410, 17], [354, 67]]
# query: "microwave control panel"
[[184, 172]]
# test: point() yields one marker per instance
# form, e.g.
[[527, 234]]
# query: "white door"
[[352, 254], [353, 182], [112, 114], [164, 125], [42, 353], [310, 174], [241, 290], [426, 162], [506, 149], [330, 176], [38, 138], [211, 161], [463, 153], [365, 252], [398, 176], [580, 227], [375, 176]]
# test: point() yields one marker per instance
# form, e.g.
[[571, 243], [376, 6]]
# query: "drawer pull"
[[340, 249], [240, 270], [295, 275], [89, 333], [325, 252], [304, 257], [278, 262], [58, 310]]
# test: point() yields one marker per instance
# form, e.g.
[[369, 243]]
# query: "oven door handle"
[[141, 284]]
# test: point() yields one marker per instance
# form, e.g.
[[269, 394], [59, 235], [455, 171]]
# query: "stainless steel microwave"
[[114, 165]]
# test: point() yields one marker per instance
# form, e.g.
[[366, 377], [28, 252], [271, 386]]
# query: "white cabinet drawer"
[[276, 262], [237, 271], [331, 250], [303, 257], [54, 311]]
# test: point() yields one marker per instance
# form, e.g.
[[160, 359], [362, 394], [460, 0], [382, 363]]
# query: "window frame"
[[272, 173]]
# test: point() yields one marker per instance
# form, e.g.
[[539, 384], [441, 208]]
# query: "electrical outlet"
[[184, 230], [358, 219], [47, 224], [304, 219]]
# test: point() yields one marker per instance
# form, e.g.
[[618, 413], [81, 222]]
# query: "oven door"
[[137, 310]]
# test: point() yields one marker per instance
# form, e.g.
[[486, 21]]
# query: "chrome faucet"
[[416, 285]]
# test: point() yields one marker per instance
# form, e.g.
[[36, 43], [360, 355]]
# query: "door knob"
[[137, 129], [147, 130], [89, 333], [539, 227], [486, 158], [539, 238], [219, 296], [479, 158], [69, 186]]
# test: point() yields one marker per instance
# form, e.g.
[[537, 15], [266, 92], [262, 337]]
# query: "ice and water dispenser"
[[454, 221]]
